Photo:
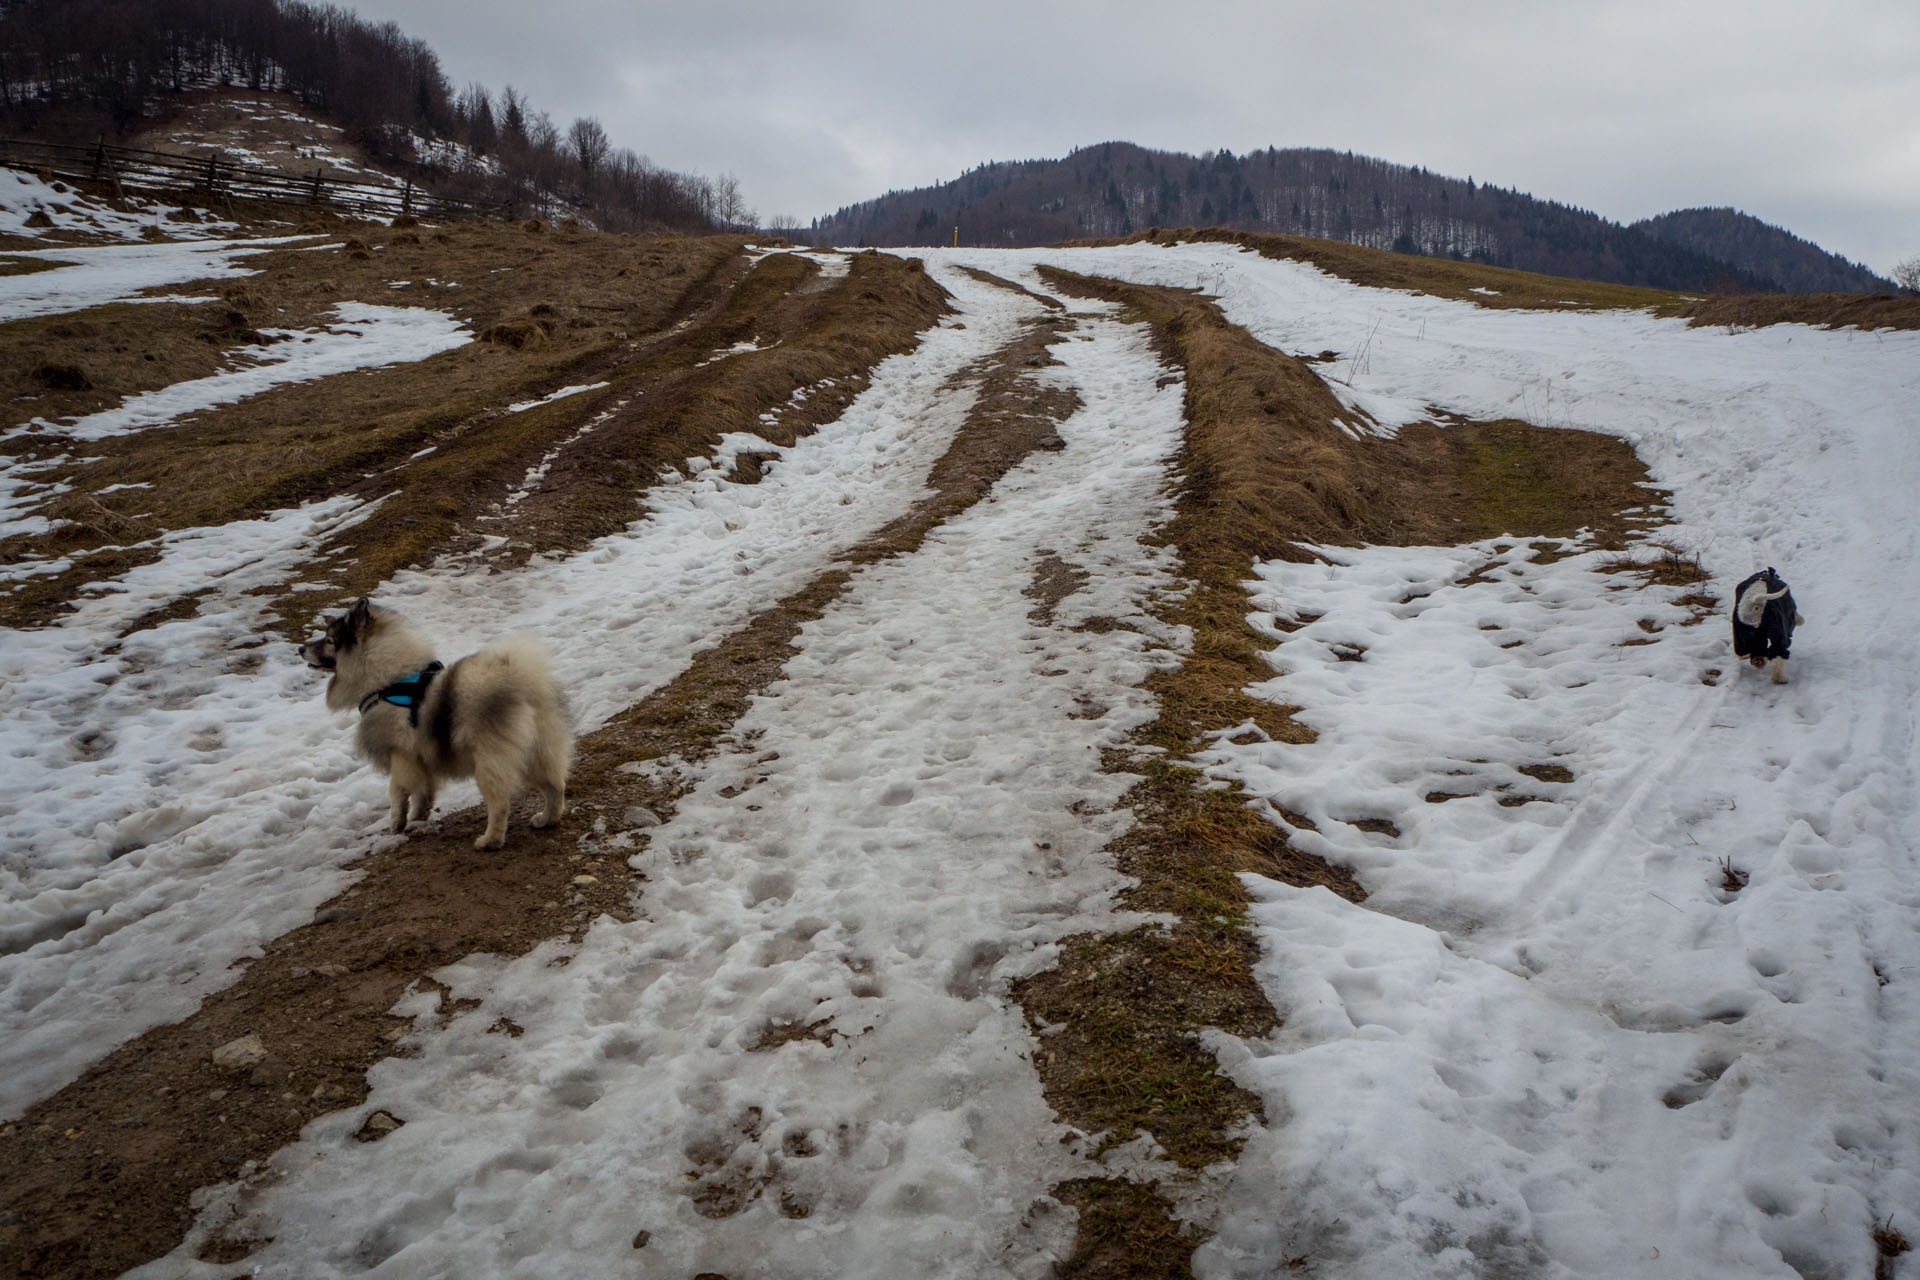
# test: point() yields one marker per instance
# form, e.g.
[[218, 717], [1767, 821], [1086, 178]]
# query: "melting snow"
[[1549, 1044], [363, 337], [551, 396], [90, 275]]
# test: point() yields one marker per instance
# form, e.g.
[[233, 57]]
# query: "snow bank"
[[65, 209]]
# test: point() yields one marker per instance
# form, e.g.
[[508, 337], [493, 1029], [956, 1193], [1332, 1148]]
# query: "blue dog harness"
[[407, 691]]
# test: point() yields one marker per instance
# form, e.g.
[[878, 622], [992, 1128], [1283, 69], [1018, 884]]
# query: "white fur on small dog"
[[495, 716], [1753, 603]]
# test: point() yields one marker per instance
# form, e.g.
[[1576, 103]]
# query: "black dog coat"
[[1774, 636]]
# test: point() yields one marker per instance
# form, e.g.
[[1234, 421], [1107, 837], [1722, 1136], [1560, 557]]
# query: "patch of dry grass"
[[1662, 563], [11, 266], [1828, 310], [1126, 1229]]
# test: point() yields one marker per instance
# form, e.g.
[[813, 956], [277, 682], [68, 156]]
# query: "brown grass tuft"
[[519, 334], [63, 377], [1127, 1230], [1668, 565]]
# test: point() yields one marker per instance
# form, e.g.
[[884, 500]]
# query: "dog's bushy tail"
[[525, 656]]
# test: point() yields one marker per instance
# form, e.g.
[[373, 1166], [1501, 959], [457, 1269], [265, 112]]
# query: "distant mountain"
[[1796, 265], [1117, 188]]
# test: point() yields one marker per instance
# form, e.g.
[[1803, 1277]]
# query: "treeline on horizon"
[[71, 70], [1117, 188]]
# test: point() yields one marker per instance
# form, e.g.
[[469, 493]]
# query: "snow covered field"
[[1551, 1043]]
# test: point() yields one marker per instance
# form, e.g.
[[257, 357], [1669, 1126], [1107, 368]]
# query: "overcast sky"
[[1805, 114]]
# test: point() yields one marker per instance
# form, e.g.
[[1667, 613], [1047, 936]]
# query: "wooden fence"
[[213, 178]]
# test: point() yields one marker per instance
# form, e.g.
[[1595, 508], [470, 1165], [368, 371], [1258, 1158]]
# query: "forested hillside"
[[71, 70], [1117, 188], [1796, 265]]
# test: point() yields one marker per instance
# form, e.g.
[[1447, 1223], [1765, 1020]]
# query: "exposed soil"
[[98, 1177]]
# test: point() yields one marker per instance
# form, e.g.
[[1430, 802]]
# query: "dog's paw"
[[484, 841]]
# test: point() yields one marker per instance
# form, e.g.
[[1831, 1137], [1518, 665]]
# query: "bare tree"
[[476, 108], [730, 206], [1907, 274], [589, 145]]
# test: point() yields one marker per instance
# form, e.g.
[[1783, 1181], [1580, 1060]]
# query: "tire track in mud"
[[99, 1177]]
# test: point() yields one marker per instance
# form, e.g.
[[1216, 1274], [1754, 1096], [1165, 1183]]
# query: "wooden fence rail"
[[216, 177]]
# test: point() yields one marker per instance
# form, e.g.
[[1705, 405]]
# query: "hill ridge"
[[1115, 188]]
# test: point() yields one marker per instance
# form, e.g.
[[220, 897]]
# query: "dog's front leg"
[[408, 785]]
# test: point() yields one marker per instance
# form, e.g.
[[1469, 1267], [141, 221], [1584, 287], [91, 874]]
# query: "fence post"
[[113, 171], [406, 198], [315, 198]]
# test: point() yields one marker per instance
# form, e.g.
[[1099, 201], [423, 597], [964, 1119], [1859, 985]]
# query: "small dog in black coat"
[[1764, 617]]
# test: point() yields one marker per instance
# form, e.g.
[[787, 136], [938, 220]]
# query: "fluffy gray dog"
[[495, 716]]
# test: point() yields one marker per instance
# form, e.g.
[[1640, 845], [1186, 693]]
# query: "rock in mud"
[[238, 1055]]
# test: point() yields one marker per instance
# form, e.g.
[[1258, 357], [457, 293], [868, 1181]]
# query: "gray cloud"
[[1626, 107]]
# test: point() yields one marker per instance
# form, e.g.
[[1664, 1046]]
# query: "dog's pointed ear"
[[361, 614]]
